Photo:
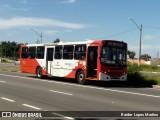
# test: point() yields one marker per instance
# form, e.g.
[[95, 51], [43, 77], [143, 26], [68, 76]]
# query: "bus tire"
[[81, 77], [39, 72]]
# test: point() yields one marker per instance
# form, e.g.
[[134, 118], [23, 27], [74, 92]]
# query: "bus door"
[[49, 60], [92, 61]]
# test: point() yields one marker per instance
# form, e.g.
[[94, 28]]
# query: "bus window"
[[32, 52], [68, 52], [80, 52], [24, 52], [58, 52], [40, 52]]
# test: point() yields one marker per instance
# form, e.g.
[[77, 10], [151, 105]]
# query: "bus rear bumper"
[[104, 77]]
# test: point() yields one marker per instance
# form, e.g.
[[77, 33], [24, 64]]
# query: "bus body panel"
[[68, 68]]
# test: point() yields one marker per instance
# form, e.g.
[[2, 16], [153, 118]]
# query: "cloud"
[[145, 49], [151, 37], [69, 1], [51, 32], [24, 1], [4, 8], [37, 22]]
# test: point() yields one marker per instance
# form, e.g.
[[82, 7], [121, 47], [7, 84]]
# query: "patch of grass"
[[10, 68], [155, 77], [132, 68], [137, 78], [147, 68], [150, 68]]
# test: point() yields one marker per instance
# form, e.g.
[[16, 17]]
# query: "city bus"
[[101, 60]]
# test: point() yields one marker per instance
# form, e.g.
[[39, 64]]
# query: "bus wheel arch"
[[80, 76], [39, 72]]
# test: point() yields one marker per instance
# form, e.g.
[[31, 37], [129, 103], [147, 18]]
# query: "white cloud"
[[24, 1], [4, 8], [51, 32], [37, 22], [69, 1], [151, 37], [145, 49]]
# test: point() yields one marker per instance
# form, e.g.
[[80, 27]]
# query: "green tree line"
[[9, 50]]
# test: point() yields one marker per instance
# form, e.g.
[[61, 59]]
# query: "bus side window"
[[58, 52], [40, 52], [24, 52], [68, 52], [32, 52], [80, 52]]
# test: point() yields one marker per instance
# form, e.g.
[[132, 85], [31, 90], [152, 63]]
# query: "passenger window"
[[68, 52], [58, 52], [40, 52], [32, 52]]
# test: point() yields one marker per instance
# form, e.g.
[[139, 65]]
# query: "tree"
[[131, 54], [57, 40], [146, 57], [9, 49]]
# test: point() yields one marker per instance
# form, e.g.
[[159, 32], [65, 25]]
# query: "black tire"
[[81, 78], [39, 72]]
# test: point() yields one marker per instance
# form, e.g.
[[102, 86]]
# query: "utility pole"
[[140, 39], [39, 34]]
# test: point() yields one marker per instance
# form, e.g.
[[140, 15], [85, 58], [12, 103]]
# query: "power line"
[[39, 34], [152, 27], [117, 34]]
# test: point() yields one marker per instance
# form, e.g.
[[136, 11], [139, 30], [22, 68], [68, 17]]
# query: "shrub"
[[136, 78]]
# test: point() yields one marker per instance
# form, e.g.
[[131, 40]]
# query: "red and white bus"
[[104, 60]]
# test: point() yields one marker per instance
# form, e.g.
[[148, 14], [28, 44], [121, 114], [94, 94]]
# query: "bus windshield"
[[114, 56]]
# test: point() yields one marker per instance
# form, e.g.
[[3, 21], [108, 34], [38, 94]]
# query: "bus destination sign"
[[116, 44]]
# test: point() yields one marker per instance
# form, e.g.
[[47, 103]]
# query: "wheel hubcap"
[[39, 73], [81, 76]]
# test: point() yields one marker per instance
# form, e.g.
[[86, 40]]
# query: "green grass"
[[150, 68], [147, 68], [155, 77], [135, 77]]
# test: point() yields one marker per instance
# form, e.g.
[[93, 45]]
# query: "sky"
[[23, 21]]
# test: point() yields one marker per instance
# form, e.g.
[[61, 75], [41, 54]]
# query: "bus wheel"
[[39, 72], [81, 77]]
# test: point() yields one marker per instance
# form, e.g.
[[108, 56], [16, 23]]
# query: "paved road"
[[24, 92]]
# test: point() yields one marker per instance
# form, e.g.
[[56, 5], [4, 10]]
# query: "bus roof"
[[71, 43]]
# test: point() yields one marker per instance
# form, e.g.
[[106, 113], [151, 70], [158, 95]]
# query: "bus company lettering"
[[69, 64]]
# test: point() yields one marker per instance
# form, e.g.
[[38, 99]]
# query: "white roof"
[[62, 43]]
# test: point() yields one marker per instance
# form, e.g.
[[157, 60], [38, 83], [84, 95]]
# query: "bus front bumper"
[[105, 77]]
